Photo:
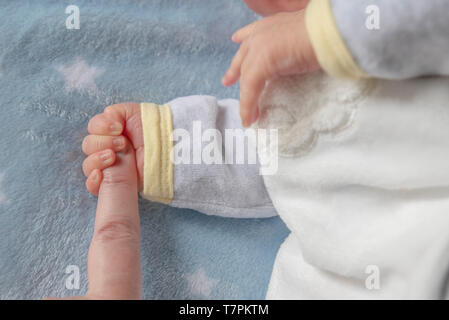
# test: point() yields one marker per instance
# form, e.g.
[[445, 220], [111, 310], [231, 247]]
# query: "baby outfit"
[[358, 168]]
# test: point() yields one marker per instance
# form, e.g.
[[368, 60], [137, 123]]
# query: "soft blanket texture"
[[52, 80]]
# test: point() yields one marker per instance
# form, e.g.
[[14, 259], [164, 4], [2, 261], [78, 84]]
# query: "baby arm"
[[192, 171], [380, 38], [387, 39]]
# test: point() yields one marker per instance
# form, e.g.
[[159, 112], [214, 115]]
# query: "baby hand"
[[269, 7], [109, 133], [275, 46]]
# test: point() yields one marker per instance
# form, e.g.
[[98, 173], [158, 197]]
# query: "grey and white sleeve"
[[206, 175], [396, 39]]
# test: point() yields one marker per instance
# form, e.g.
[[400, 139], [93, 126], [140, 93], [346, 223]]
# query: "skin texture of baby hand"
[[269, 7], [277, 45], [108, 133]]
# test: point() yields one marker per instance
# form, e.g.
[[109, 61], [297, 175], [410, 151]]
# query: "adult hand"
[[114, 269]]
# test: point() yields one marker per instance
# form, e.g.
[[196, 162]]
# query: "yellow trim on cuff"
[[330, 48], [158, 168]]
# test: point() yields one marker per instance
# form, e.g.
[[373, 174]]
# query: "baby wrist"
[[330, 49]]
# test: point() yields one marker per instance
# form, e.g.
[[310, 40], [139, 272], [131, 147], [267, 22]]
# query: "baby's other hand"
[[278, 45], [109, 133], [269, 7]]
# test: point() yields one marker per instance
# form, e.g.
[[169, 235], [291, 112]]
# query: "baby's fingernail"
[[115, 128], [118, 143], [106, 157]]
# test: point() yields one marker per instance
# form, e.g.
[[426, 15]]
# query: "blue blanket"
[[52, 80]]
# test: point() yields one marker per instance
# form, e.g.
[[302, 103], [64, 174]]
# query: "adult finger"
[[114, 254]]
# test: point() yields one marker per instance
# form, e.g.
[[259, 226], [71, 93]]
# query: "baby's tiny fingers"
[[233, 73], [240, 35], [93, 182], [252, 84], [103, 125], [99, 160], [95, 143]]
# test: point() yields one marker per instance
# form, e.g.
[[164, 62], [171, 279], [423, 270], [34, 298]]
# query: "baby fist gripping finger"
[[93, 181], [101, 159], [98, 160], [105, 135], [275, 46], [114, 256]]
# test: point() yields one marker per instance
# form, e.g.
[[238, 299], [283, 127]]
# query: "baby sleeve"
[[380, 38], [190, 162]]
